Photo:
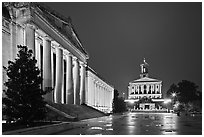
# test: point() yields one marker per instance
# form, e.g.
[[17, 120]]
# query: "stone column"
[[69, 81], [86, 88], [151, 89], [112, 95], [147, 89], [104, 97], [53, 65], [59, 76], [142, 89], [13, 40], [156, 88], [94, 93], [37, 49], [47, 72], [160, 89], [102, 92], [101, 95], [90, 88], [108, 96], [20, 35], [76, 79], [82, 84], [30, 37], [99, 99]]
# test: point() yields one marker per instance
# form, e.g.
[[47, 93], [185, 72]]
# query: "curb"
[[45, 130]]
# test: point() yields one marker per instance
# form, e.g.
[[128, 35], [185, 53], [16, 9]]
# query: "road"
[[140, 124]]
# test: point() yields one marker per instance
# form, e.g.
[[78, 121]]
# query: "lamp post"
[[123, 95], [173, 94]]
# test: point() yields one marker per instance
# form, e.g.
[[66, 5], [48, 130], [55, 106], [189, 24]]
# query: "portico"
[[61, 57], [100, 93], [59, 53]]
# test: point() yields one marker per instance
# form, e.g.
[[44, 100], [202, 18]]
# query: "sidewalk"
[[46, 130]]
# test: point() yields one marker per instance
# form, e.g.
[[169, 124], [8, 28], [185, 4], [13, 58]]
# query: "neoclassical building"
[[56, 46], [99, 93], [145, 91]]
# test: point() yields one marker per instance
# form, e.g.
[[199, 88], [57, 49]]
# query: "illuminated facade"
[[145, 91], [99, 92], [56, 47]]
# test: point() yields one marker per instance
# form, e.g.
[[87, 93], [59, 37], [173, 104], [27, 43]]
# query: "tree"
[[23, 101], [118, 103], [173, 89], [187, 96], [188, 91]]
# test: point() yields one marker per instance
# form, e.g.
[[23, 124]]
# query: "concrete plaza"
[[140, 124]]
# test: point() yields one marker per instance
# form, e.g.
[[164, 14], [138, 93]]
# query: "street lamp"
[[174, 98], [173, 94], [123, 95]]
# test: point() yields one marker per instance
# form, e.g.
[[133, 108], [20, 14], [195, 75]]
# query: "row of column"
[[99, 96], [152, 88], [138, 96], [75, 84]]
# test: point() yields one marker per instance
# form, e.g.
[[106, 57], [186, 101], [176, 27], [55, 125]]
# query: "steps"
[[71, 118], [75, 112]]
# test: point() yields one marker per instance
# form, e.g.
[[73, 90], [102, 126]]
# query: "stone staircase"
[[70, 112], [61, 113]]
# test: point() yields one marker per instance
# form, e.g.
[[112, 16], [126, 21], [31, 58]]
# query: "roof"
[[58, 21], [62, 24], [5, 12], [145, 79], [88, 68]]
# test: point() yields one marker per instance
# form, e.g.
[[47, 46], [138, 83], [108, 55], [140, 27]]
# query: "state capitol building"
[[145, 92]]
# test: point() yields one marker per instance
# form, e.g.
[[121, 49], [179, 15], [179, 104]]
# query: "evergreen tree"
[[23, 101], [118, 103]]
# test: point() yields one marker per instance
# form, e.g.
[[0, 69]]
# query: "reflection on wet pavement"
[[141, 124], [96, 128]]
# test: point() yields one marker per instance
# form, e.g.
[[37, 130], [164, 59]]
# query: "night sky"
[[117, 36]]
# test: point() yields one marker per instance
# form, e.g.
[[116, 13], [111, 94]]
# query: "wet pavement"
[[140, 124]]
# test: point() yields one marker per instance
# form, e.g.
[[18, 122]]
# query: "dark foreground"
[[140, 124]]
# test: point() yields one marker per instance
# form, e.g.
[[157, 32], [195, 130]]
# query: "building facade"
[[99, 92], [145, 91], [55, 45]]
